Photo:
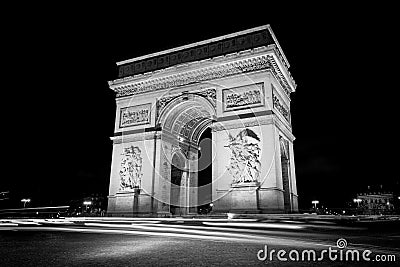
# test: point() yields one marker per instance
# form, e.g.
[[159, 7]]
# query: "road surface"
[[194, 242]]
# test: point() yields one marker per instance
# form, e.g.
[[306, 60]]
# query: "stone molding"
[[135, 137], [215, 127], [248, 122], [127, 86], [284, 127], [252, 122]]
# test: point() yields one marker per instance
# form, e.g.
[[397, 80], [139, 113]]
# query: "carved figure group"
[[134, 116], [131, 168], [242, 99], [244, 163]]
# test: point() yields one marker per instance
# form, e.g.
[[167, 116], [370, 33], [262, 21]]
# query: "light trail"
[[123, 219], [228, 238], [172, 229], [36, 208], [116, 221], [8, 224], [257, 225]]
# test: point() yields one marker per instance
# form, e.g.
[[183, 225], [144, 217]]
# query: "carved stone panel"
[[241, 97], [131, 169], [125, 87], [134, 115], [244, 165]]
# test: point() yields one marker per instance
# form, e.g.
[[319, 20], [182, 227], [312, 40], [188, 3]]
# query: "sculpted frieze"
[[243, 97], [125, 88]]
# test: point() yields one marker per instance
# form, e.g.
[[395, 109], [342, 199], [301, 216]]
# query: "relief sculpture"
[[244, 163], [131, 168], [243, 99], [246, 96], [134, 115]]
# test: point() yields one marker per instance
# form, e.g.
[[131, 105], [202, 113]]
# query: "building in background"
[[376, 200]]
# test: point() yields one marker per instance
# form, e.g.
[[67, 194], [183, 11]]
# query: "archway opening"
[[185, 122], [285, 165], [205, 172], [176, 180]]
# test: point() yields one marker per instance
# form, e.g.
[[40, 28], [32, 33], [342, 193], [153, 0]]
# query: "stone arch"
[[183, 120], [173, 109], [178, 159], [253, 85]]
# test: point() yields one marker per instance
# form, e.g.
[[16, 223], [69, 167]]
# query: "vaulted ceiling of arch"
[[185, 120]]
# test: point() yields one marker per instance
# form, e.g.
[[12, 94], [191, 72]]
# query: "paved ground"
[[125, 242]]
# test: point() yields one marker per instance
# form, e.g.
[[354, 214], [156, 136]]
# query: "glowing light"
[[257, 225]]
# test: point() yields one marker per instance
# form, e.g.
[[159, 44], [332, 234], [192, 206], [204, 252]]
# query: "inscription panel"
[[242, 97], [134, 115]]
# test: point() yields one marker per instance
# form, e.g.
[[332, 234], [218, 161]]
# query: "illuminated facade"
[[232, 92]]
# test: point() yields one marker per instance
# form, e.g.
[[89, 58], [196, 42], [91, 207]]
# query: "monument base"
[[133, 203], [124, 203], [163, 214], [245, 197]]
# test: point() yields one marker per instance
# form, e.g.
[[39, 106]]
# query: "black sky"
[[58, 112]]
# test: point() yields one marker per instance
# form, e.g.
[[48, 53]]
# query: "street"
[[189, 242]]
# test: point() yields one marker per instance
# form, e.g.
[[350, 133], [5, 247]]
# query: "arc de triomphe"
[[204, 123]]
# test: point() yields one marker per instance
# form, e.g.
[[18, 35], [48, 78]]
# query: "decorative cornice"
[[281, 78], [126, 86], [282, 59], [223, 45]]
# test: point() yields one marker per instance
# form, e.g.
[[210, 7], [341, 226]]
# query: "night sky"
[[58, 112]]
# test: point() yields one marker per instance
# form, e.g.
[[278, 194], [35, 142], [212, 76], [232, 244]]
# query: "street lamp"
[[315, 202], [25, 200], [358, 201], [87, 203]]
